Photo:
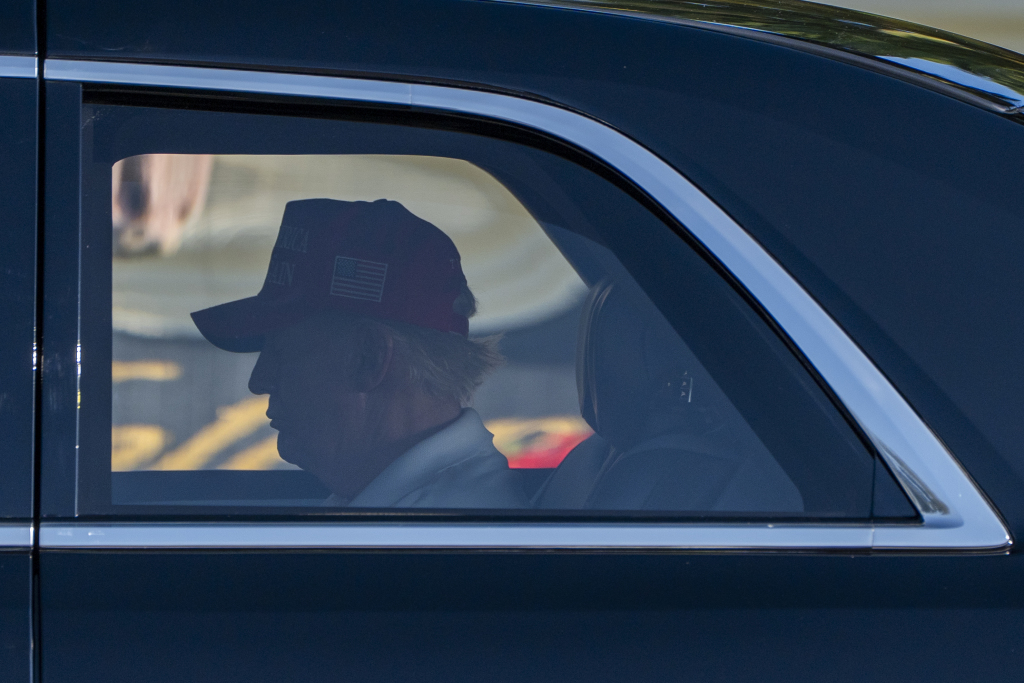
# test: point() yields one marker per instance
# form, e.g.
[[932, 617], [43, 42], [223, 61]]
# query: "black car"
[[467, 340]]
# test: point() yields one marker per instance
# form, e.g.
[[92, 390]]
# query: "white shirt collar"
[[462, 439]]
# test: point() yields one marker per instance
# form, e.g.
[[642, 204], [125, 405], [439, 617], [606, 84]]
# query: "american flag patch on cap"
[[358, 279]]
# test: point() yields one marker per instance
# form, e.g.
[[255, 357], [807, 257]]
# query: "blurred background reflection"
[[192, 231], [1000, 22]]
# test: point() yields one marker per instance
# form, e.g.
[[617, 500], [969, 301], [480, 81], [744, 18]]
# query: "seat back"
[[631, 368], [666, 437]]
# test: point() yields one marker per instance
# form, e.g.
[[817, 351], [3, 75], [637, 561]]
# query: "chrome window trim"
[[454, 536], [16, 66], [16, 536], [955, 514]]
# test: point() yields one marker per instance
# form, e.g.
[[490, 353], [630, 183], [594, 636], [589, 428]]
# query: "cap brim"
[[241, 326]]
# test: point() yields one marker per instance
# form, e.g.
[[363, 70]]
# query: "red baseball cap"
[[373, 259]]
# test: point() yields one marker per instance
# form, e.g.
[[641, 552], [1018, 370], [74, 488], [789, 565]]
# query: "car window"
[[326, 315], [225, 238]]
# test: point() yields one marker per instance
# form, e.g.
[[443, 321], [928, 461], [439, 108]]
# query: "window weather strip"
[[12, 66], [455, 535], [954, 513], [15, 536]]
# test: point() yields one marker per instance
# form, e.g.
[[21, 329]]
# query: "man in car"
[[362, 327]]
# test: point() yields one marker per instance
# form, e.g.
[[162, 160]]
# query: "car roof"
[[974, 70]]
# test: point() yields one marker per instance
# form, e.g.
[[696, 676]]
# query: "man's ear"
[[374, 352]]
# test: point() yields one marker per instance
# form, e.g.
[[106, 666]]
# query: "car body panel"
[[993, 75], [15, 616], [729, 126], [526, 616], [18, 27], [752, 123], [18, 206], [17, 292], [60, 352]]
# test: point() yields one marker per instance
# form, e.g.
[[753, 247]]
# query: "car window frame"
[[954, 513]]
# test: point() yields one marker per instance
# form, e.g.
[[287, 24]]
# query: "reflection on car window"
[[362, 331], [505, 332], [342, 274]]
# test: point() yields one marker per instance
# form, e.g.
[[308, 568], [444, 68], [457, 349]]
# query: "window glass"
[[335, 316], [212, 243]]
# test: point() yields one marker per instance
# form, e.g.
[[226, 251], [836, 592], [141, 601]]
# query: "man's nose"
[[263, 379]]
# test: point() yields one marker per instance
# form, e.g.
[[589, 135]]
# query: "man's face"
[[319, 413]]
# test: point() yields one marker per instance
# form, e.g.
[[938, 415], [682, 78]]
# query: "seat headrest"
[[632, 369]]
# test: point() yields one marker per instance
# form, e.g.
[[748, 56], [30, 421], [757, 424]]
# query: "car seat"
[[666, 438]]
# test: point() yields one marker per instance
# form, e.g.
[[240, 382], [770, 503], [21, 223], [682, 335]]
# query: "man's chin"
[[291, 451]]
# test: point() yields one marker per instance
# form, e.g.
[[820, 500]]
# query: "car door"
[[555, 596], [18, 149], [157, 533]]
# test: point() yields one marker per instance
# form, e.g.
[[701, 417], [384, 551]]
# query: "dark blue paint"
[[536, 617], [15, 617], [585, 646], [18, 27], [18, 174], [309, 581], [58, 385]]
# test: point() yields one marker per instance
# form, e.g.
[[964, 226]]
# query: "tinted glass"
[[331, 267]]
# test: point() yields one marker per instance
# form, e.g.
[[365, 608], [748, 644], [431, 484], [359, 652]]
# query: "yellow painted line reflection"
[[233, 422], [152, 370], [262, 456], [135, 445], [510, 432]]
